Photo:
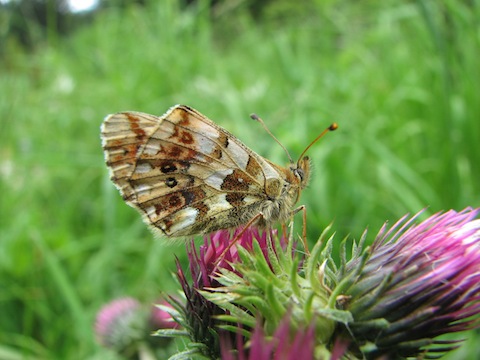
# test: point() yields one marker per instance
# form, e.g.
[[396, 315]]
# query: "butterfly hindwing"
[[186, 174]]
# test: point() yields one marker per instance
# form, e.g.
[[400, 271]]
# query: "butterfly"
[[187, 176]]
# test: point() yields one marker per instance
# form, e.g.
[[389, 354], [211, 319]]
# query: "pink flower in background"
[[161, 319], [118, 323], [126, 326]]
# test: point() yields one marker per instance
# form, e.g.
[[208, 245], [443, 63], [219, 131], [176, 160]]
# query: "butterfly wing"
[[184, 173]]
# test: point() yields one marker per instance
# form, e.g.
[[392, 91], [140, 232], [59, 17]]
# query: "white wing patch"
[[238, 154], [215, 180], [218, 203], [181, 220]]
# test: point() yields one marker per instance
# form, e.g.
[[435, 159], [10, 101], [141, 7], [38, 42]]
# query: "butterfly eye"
[[300, 173]]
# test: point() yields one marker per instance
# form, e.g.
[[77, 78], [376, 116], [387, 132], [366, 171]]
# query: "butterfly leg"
[[235, 240], [303, 209], [284, 231]]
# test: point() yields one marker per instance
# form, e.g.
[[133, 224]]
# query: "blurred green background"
[[401, 78]]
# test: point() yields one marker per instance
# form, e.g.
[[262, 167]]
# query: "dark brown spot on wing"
[[166, 204], [202, 208], [185, 118], [217, 152], [193, 195], [186, 137], [182, 136], [167, 167], [223, 140], [171, 182], [135, 125], [191, 180], [122, 152], [253, 168], [236, 181], [173, 151], [171, 203], [237, 185], [189, 196], [235, 199], [174, 200]]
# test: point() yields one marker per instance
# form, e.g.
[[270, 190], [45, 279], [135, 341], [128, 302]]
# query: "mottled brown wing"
[[185, 174]]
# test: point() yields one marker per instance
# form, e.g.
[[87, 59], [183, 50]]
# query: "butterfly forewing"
[[185, 174]]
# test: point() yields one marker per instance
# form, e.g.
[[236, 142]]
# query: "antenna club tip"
[[333, 127], [254, 117]]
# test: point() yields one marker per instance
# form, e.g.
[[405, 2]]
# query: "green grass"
[[400, 79]]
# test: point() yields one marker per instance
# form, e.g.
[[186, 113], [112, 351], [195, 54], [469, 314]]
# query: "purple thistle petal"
[[281, 346], [260, 348]]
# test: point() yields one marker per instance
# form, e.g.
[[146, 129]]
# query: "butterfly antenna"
[[332, 127], [257, 118]]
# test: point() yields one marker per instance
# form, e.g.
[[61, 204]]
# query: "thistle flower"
[[268, 282], [120, 324], [125, 326], [415, 283], [281, 346], [199, 314]]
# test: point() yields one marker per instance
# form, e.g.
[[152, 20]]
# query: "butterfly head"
[[302, 171]]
